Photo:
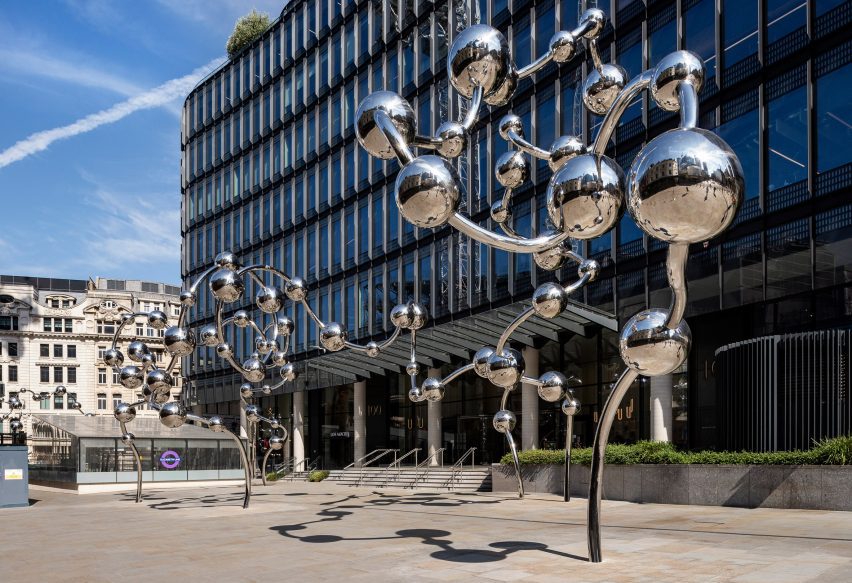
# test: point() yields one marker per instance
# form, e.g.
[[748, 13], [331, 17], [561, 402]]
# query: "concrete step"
[[470, 479]]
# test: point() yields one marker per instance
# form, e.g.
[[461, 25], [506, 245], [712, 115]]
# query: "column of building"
[[433, 424], [298, 436], [661, 408], [360, 420], [529, 401]]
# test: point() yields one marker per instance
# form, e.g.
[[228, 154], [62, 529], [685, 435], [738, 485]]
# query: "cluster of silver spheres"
[[683, 187], [17, 407]]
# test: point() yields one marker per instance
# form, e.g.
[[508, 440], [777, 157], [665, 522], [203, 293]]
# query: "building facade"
[[55, 331], [271, 170]]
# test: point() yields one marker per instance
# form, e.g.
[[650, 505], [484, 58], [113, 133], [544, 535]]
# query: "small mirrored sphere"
[[685, 186], [253, 370], [419, 316], [113, 357], [602, 87], [372, 349], [553, 385], [585, 196], [278, 358], [507, 369], [126, 317], [284, 325], [252, 413], [263, 346], [226, 286], [671, 71], [412, 369], [274, 424], [511, 123], [500, 214], [60, 390], [333, 337], [480, 360], [246, 390], [16, 425], [649, 347], [159, 381], [288, 372], [269, 299], [15, 403], [512, 169], [501, 96], [179, 341], [136, 349], [187, 298], [296, 289], [224, 350], [401, 316], [367, 128], [128, 438], [146, 360], [276, 443], [266, 390], [553, 258], [433, 389], [416, 394], [427, 191], [570, 406], [478, 57], [240, 319], [563, 46], [131, 377], [227, 260], [549, 300], [172, 414], [208, 335], [124, 413], [590, 266], [563, 149], [504, 420], [158, 320], [453, 139], [597, 18], [216, 424]]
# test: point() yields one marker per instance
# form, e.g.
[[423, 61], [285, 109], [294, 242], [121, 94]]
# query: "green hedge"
[[317, 475], [836, 451]]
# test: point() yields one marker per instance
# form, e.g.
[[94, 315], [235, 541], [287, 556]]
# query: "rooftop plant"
[[247, 29]]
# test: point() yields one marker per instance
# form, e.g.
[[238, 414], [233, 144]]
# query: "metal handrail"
[[397, 463], [374, 459], [424, 464], [381, 452], [458, 467]]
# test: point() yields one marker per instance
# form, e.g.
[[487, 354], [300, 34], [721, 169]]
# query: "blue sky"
[[104, 199]]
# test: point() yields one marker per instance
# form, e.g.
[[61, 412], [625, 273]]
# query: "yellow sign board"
[[14, 474]]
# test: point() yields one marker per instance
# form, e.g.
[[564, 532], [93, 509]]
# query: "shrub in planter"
[[317, 475], [271, 477]]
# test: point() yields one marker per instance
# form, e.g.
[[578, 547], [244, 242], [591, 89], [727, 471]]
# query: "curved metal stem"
[[688, 97], [535, 66], [676, 273], [630, 91], [457, 373], [598, 449], [503, 242], [244, 459], [519, 319], [263, 465], [522, 144], [514, 449], [394, 138], [138, 464], [566, 494], [383, 344], [596, 56], [473, 109]]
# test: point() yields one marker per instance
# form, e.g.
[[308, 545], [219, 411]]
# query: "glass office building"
[[272, 171]]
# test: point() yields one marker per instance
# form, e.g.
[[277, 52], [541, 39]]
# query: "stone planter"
[[806, 487]]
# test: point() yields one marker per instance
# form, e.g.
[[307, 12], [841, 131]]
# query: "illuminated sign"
[[170, 459]]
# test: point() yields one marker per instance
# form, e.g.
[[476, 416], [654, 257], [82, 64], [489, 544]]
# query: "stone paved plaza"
[[322, 532]]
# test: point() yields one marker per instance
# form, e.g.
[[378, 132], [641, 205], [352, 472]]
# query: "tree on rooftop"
[[247, 29]]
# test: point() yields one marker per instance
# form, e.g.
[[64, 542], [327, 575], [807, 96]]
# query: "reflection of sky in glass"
[[788, 139], [783, 17], [834, 119], [740, 30], [699, 34], [741, 134], [631, 59]]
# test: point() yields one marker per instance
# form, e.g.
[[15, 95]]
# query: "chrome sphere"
[[246, 391], [158, 320], [506, 370], [208, 336], [227, 260], [288, 372], [187, 298], [500, 214], [419, 316], [224, 350], [416, 394], [505, 91], [158, 381], [284, 325], [427, 191], [215, 424], [15, 403], [511, 123], [252, 413], [590, 266], [602, 87], [179, 341], [263, 346], [511, 169], [563, 46], [60, 390], [266, 390], [563, 149], [131, 377], [598, 19], [227, 286], [16, 426], [397, 109], [124, 413], [671, 71], [649, 347], [113, 357], [479, 57], [296, 289], [136, 349], [278, 358], [253, 369], [550, 259], [433, 389], [553, 385], [480, 361], [333, 337], [269, 299], [172, 414], [241, 319], [685, 186], [549, 300], [401, 316], [276, 443], [146, 360], [161, 397], [128, 438], [372, 349], [570, 406], [453, 139], [585, 197], [504, 420], [412, 369]]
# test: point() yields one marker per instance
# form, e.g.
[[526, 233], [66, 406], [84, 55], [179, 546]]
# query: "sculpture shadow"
[[204, 501]]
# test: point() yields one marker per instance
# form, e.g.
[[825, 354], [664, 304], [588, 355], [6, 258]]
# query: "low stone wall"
[[763, 486]]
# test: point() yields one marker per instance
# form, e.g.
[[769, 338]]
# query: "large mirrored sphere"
[[208, 335], [649, 347], [427, 191], [553, 258], [453, 138], [172, 414], [549, 300], [433, 389], [507, 369], [226, 286], [241, 319], [159, 381], [252, 413], [227, 260], [504, 420], [673, 69], [131, 377], [419, 316], [296, 289], [570, 406], [333, 337], [685, 186], [553, 385], [157, 320], [137, 349], [512, 169], [367, 129], [585, 196], [479, 57], [505, 90], [602, 87], [124, 413], [288, 372], [216, 424], [269, 299], [480, 361], [179, 341], [416, 394], [253, 370], [113, 357]]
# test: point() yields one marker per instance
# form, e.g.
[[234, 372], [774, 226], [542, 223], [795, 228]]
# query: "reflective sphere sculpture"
[[157, 320], [284, 325], [246, 390], [276, 443], [585, 196], [124, 413], [553, 385], [427, 191], [208, 335], [401, 316], [16, 425], [158, 381], [416, 394], [511, 123], [597, 18], [685, 186], [131, 377], [269, 299], [479, 57], [60, 390], [671, 71], [500, 214], [649, 347], [570, 406], [15, 403], [241, 319], [333, 337], [563, 46], [253, 369], [507, 369], [113, 357], [453, 138], [372, 349], [172, 414], [433, 389], [224, 350], [553, 258], [504, 420], [226, 286], [146, 360], [179, 341], [278, 358], [397, 109], [590, 266], [296, 289], [288, 372], [136, 349], [412, 369], [252, 413], [504, 92], [480, 361], [512, 169], [227, 260], [563, 149], [128, 438], [266, 390], [187, 298], [216, 424], [549, 300], [602, 87], [419, 316]]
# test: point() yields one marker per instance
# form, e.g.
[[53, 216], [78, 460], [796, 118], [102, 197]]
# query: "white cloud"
[[159, 96]]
